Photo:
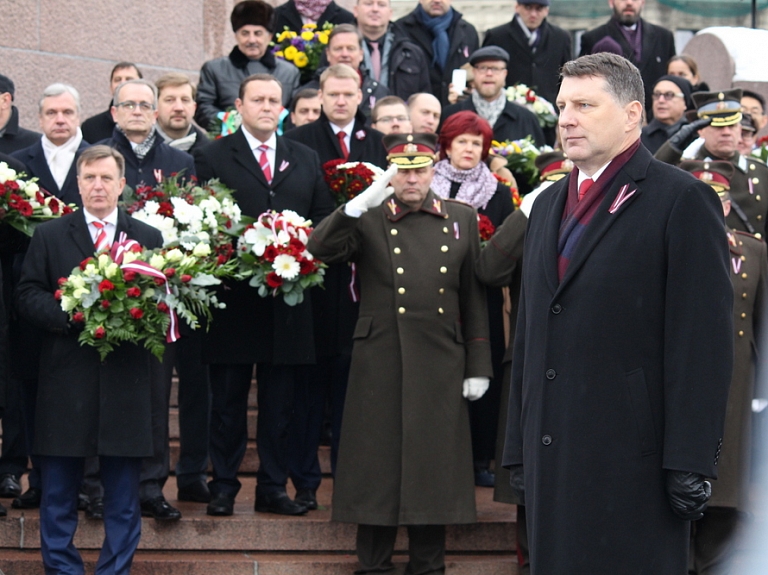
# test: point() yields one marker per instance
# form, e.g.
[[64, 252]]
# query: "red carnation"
[[270, 253], [25, 209], [306, 267], [129, 276], [84, 263], [12, 185], [163, 307], [186, 278], [105, 304], [136, 313], [66, 210], [78, 317], [169, 272], [106, 285], [62, 281], [485, 227], [274, 280], [165, 209], [99, 332], [221, 260], [57, 294], [133, 291], [296, 247], [54, 206]]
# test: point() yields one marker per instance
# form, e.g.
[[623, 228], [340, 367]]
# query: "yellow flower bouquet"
[[303, 48]]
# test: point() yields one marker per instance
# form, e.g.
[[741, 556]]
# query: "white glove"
[[475, 387], [530, 197], [371, 196]]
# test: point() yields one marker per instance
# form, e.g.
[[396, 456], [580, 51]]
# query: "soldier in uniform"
[[421, 348], [713, 536], [719, 124]]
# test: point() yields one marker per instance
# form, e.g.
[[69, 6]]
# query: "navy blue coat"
[[33, 158]]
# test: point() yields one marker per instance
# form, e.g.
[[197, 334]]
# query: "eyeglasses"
[[666, 95], [390, 119], [130, 105], [486, 69]]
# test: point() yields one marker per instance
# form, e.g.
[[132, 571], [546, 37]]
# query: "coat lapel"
[[551, 233], [78, 229], [283, 161], [243, 155], [357, 145], [39, 167]]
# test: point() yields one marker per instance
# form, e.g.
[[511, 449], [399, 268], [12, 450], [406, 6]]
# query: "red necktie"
[[376, 60], [264, 163], [343, 144], [584, 187], [101, 237]]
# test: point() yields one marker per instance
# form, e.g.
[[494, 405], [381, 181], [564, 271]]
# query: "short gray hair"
[[622, 78], [57, 90], [139, 81]]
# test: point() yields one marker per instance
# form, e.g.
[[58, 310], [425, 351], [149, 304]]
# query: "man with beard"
[[175, 110], [647, 46], [510, 121]]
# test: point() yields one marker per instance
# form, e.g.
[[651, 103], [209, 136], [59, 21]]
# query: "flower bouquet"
[[544, 110], [761, 149], [273, 253], [347, 179], [188, 214], [513, 191], [521, 156], [225, 123], [486, 229], [303, 49], [134, 295], [23, 205]]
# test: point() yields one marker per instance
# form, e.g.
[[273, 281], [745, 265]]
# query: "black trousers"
[[229, 433], [426, 549], [713, 541]]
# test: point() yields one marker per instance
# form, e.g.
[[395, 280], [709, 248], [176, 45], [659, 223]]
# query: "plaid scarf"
[[489, 111], [578, 214]]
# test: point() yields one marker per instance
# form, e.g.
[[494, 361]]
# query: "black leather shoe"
[[9, 486], [279, 503], [197, 492], [160, 509], [307, 498], [95, 509], [3, 512], [484, 478], [30, 499], [221, 505]]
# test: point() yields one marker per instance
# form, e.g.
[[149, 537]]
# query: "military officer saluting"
[[713, 536], [420, 348], [718, 121]]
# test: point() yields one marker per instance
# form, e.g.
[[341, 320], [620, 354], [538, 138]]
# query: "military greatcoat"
[[749, 269], [405, 456]]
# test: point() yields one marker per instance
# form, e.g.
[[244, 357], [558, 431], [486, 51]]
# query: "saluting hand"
[[372, 196]]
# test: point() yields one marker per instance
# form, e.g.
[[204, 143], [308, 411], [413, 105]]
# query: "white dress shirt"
[[271, 143]]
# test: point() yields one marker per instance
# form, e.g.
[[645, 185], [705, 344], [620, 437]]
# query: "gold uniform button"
[[401, 291], [744, 275], [443, 270], [757, 235], [759, 216], [743, 258], [757, 197], [396, 250], [401, 310], [752, 167], [444, 249], [741, 334], [445, 230], [440, 310], [393, 232], [743, 315], [400, 271], [441, 291], [744, 295], [755, 180]]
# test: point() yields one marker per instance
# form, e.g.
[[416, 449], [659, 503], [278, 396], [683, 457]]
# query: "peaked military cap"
[[410, 151], [723, 107], [553, 166]]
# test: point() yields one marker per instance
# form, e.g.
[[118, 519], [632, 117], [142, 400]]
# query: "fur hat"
[[255, 13]]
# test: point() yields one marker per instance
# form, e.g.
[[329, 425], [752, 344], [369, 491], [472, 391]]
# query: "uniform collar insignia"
[[393, 207]]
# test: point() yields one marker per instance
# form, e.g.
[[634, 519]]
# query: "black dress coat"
[[539, 69], [85, 407], [99, 127], [15, 137], [37, 166], [463, 41], [287, 15], [253, 329], [657, 49], [335, 312], [514, 123], [620, 371]]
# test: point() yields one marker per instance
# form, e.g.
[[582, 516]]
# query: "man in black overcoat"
[[537, 49], [335, 308], [87, 407], [647, 46], [252, 330], [623, 346]]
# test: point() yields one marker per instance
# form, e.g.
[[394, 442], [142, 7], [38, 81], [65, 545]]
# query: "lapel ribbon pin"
[[736, 264], [159, 175], [622, 197], [392, 205], [456, 230], [283, 166], [360, 135], [437, 205]]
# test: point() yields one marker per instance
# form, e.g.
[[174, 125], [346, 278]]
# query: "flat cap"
[[410, 151], [489, 53]]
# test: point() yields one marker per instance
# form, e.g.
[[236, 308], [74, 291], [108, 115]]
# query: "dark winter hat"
[[683, 84], [410, 151], [6, 85], [539, 2], [607, 44], [488, 53], [255, 13]]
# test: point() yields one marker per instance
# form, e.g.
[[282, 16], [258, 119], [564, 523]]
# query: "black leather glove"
[[688, 494], [687, 134], [517, 482]]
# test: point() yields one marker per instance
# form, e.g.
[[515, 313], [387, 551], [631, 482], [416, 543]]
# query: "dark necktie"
[[343, 144]]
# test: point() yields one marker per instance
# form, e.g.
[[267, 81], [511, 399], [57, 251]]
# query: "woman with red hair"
[[461, 174]]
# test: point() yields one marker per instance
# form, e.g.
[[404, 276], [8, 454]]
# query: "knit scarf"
[[477, 185], [142, 149], [311, 9], [578, 214], [184, 143], [489, 111], [438, 27]]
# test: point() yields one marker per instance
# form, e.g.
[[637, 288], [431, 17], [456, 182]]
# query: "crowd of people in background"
[[377, 79]]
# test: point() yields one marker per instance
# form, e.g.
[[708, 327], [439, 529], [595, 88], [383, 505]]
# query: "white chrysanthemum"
[[211, 222], [210, 204], [186, 213], [6, 173], [286, 266], [293, 218], [201, 250], [77, 281], [174, 255], [157, 261], [151, 207], [231, 209]]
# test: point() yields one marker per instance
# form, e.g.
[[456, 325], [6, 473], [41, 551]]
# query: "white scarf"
[[60, 158]]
